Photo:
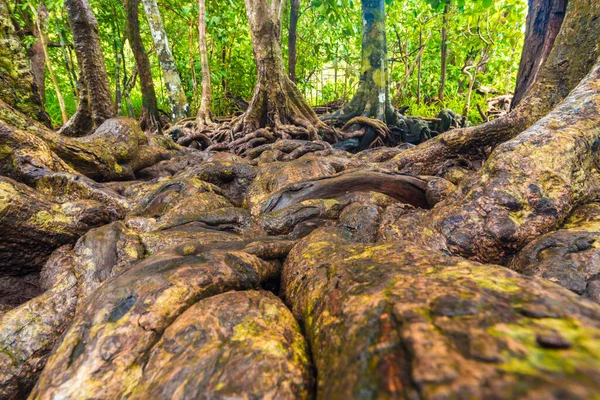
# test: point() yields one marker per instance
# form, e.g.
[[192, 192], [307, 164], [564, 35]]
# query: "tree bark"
[[179, 104], [292, 37], [37, 53], [95, 88], [544, 20], [277, 103], [372, 98], [17, 85], [203, 117], [150, 117]]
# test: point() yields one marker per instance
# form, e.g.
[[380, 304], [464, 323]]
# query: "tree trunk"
[[150, 117], [16, 79], [544, 20], [277, 103], [37, 53], [372, 98], [203, 117], [292, 37], [444, 52], [179, 104], [98, 107], [67, 60], [43, 15]]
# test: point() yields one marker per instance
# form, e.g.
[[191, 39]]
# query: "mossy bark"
[[527, 187], [372, 98], [397, 320], [17, 87], [177, 98]]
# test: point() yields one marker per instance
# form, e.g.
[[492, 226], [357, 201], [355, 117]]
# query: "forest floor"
[[289, 273]]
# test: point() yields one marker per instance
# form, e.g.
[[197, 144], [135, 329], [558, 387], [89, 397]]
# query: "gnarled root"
[[528, 186]]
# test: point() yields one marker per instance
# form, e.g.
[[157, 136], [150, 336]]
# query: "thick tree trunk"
[[574, 54], [179, 104], [372, 98], [203, 117], [292, 38], [277, 103], [94, 79], [150, 116], [16, 79], [544, 20]]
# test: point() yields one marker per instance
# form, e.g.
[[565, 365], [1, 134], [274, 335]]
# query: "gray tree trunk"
[[179, 104]]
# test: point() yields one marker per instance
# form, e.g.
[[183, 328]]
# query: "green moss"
[[525, 356], [51, 221]]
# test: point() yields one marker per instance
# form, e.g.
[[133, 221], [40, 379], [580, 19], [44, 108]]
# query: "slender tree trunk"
[[444, 52], [66, 58], [544, 20], [117, 76], [42, 15], [177, 98], [203, 117], [150, 117], [372, 98], [292, 38], [98, 107], [419, 67], [37, 53]]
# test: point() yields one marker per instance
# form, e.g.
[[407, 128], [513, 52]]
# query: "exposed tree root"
[[527, 186]]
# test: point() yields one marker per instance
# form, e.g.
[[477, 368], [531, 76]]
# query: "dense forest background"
[[484, 42]]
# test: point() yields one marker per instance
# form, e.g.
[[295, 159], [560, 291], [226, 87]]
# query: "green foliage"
[[328, 50]]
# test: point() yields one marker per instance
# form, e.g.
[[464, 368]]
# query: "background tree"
[[150, 117], [95, 103], [177, 98], [203, 117], [277, 103], [372, 98], [292, 38]]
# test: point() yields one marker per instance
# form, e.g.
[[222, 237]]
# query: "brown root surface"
[[397, 320], [527, 187], [264, 261]]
